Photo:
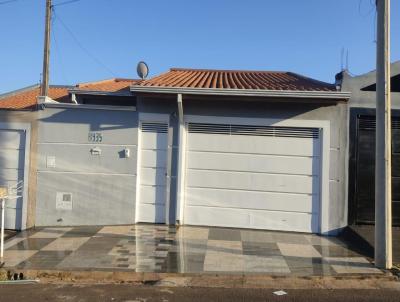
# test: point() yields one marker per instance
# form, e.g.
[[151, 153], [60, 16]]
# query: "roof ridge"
[[61, 86], [126, 80], [104, 81], [311, 79], [225, 70]]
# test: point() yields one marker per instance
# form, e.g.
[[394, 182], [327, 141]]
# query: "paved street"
[[161, 248], [128, 293]]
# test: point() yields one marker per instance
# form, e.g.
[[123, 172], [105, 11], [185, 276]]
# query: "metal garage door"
[[261, 177], [364, 189], [12, 161]]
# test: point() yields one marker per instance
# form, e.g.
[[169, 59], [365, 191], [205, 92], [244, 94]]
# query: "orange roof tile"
[[27, 98], [236, 79], [110, 85]]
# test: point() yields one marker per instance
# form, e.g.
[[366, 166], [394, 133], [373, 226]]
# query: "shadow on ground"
[[361, 239]]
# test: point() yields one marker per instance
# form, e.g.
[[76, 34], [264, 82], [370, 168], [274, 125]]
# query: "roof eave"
[[24, 109], [99, 92], [87, 106], [332, 95]]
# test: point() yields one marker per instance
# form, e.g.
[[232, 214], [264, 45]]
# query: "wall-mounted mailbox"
[[95, 151]]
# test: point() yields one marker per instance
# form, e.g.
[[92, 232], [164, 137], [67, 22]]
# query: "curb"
[[384, 281]]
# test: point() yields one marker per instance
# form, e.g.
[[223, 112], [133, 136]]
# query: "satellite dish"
[[142, 70]]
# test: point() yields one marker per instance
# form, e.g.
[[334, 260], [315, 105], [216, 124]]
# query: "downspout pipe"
[[181, 160], [180, 108]]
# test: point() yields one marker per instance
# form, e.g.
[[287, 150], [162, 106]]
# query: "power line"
[[372, 8], [7, 1], [84, 49], [56, 4], [53, 35], [64, 3]]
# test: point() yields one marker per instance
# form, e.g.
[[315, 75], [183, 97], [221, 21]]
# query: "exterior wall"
[[362, 103], [335, 114], [30, 118], [102, 186], [367, 99]]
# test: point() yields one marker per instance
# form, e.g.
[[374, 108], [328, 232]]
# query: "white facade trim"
[[323, 125], [86, 144], [333, 95], [86, 106], [26, 127], [325, 160], [86, 173], [97, 92]]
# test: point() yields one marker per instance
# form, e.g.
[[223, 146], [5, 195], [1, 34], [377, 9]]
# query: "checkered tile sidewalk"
[[160, 248]]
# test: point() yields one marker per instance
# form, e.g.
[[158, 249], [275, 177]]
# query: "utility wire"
[[84, 49], [53, 35], [7, 1], [368, 12], [56, 4], [63, 3]]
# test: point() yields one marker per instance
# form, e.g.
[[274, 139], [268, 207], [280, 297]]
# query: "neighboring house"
[[361, 121], [18, 148], [20, 119], [245, 149]]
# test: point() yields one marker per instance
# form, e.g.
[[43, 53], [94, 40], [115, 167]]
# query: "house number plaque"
[[95, 137]]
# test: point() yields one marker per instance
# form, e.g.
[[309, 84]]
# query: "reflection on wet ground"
[[184, 249]]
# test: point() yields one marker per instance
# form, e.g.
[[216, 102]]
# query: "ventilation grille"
[[253, 130], [369, 123], [154, 127]]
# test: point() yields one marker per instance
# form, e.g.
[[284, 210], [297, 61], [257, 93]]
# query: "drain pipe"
[[180, 108], [73, 98], [181, 160], [181, 177]]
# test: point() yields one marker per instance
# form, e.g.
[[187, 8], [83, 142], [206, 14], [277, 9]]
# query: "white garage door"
[[261, 177], [12, 161]]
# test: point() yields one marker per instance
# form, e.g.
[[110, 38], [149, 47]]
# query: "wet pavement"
[[187, 249], [363, 236], [8, 234]]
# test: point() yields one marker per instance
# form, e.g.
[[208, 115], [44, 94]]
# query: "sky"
[[98, 39]]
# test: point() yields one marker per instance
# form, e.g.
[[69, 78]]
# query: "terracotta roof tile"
[[110, 85], [235, 79], [27, 98]]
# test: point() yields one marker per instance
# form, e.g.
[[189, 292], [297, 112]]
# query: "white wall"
[[102, 186]]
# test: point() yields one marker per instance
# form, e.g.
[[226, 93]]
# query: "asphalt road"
[[129, 293]]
